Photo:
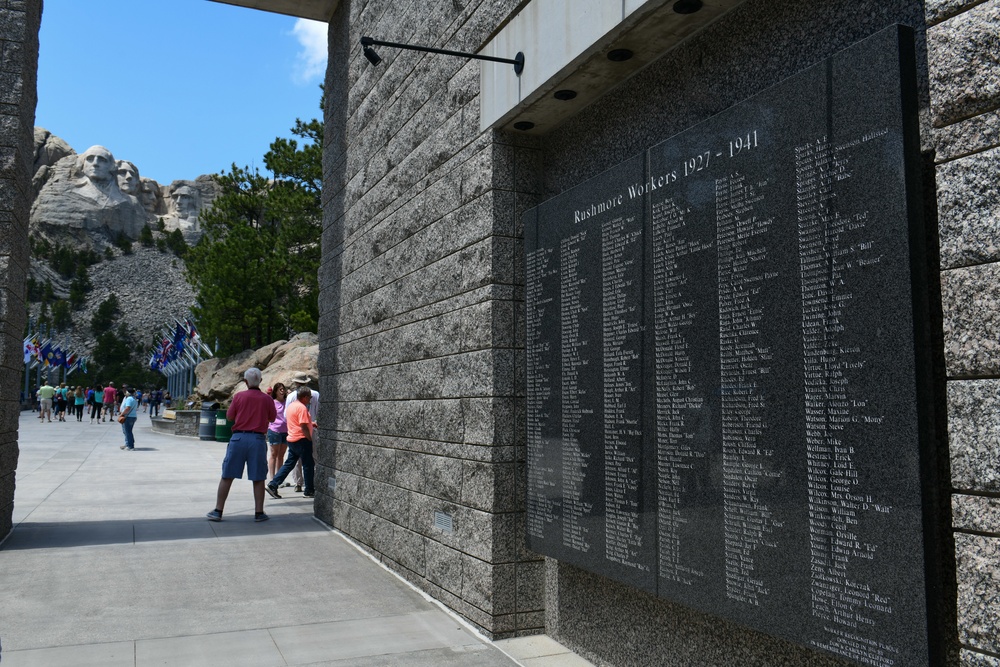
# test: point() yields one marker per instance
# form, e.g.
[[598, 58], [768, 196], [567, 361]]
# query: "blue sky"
[[179, 87]]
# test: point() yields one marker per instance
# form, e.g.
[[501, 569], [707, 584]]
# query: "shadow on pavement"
[[28, 535]]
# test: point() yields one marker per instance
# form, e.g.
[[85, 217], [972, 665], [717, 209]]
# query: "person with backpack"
[[91, 402]]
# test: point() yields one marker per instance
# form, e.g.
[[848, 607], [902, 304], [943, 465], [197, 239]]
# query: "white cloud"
[[312, 56]]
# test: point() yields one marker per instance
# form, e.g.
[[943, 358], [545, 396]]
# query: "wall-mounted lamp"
[[367, 42]]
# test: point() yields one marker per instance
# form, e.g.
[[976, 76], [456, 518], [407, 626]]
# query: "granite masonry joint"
[[980, 651], [967, 154], [961, 119], [950, 14], [977, 533], [975, 492], [967, 266]]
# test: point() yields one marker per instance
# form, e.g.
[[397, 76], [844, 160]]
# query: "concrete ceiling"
[[317, 10]]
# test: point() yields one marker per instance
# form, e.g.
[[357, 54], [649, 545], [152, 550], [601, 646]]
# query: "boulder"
[[265, 354], [298, 363], [221, 384], [204, 372], [282, 361]]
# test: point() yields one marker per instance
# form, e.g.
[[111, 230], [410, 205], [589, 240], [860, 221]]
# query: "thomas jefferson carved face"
[[128, 178], [98, 164]]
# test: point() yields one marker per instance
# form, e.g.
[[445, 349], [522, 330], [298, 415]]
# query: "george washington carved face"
[[98, 164]]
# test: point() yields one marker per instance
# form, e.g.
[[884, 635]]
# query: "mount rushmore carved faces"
[[99, 182], [151, 197], [128, 178], [185, 202]]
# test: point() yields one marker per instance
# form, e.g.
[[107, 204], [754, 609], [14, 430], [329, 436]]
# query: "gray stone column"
[[19, 23], [420, 451], [964, 62]]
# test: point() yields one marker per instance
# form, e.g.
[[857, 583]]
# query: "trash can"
[[206, 424], [223, 427]]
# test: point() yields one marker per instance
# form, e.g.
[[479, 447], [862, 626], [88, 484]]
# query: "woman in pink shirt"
[[277, 432]]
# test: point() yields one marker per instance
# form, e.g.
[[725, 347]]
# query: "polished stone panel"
[[724, 377]]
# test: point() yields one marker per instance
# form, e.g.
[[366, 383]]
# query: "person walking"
[[79, 399], [90, 402], [98, 409], [154, 403], [128, 414], [109, 401], [61, 402], [300, 380], [45, 394], [300, 444], [250, 412], [277, 432]]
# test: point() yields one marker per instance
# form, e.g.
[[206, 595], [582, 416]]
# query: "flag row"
[[178, 346], [49, 354]]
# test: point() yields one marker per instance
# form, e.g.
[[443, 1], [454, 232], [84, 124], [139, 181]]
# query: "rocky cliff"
[[93, 194], [94, 202]]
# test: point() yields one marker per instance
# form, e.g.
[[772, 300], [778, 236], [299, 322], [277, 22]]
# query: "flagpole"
[[38, 369], [27, 364]]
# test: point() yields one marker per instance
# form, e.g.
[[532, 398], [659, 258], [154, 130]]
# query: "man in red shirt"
[[251, 411], [110, 408], [300, 444]]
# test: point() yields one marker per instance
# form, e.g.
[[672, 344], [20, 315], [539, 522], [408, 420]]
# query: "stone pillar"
[[420, 450], [964, 67], [19, 23]]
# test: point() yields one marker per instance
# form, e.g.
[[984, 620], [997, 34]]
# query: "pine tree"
[[146, 237], [237, 267], [255, 268], [104, 318]]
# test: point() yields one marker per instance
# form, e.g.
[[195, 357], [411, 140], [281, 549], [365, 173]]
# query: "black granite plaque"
[[590, 487], [722, 365]]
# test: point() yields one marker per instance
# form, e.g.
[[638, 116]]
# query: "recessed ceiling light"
[[687, 6], [619, 55], [564, 94], [523, 125]]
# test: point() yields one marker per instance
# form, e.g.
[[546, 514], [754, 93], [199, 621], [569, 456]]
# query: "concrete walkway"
[[111, 562]]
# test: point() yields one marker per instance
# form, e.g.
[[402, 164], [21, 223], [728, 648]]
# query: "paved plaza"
[[112, 563]]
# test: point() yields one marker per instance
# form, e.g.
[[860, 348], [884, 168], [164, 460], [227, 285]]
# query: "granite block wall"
[[964, 66], [420, 448], [19, 23], [755, 46]]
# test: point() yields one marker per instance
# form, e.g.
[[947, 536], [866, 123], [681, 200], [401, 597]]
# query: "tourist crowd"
[[266, 425], [273, 432], [102, 401]]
